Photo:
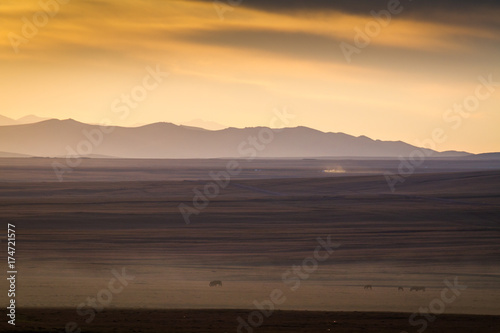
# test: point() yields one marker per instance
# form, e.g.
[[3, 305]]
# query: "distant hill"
[[11, 155], [6, 121], [53, 138], [210, 125], [30, 119], [487, 156]]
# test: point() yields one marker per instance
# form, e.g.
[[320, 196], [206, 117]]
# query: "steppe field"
[[299, 246]]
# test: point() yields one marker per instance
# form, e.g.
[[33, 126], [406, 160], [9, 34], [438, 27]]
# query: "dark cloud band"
[[365, 5]]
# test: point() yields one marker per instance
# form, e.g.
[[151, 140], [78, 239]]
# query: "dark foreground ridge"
[[220, 321]]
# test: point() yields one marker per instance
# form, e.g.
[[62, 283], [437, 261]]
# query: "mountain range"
[[59, 138]]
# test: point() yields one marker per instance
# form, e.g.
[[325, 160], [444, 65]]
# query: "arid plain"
[[439, 227]]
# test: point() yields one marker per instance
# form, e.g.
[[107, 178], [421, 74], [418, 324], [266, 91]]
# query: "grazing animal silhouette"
[[215, 283], [417, 288], [401, 289], [368, 286]]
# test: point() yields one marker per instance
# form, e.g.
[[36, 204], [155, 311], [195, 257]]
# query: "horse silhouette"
[[401, 289], [417, 288], [368, 286], [215, 283]]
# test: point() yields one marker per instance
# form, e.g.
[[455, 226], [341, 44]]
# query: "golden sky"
[[235, 68]]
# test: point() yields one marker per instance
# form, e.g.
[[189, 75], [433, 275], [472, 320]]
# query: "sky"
[[388, 70]]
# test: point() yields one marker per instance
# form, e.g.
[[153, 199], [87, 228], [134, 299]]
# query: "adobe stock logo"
[[371, 29], [293, 279], [30, 28], [248, 150], [437, 306], [103, 298], [94, 137], [453, 118]]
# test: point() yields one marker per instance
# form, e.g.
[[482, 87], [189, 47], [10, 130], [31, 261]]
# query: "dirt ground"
[[256, 236], [225, 321]]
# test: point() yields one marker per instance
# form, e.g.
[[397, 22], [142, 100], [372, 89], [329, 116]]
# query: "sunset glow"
[[235, 68]]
